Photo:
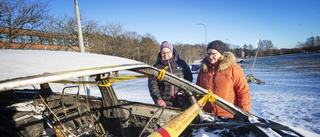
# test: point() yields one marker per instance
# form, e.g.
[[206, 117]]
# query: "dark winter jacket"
[[163, 90]]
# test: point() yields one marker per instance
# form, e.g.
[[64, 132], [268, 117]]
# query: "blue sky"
[[239, 22]]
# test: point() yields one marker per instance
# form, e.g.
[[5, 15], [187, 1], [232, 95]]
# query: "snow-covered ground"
[[290, 96], [292, 90]]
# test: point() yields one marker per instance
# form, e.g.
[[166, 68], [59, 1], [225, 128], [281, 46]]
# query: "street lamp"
[[205, 31]]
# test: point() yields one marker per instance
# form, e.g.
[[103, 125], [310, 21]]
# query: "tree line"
[[110, 38]]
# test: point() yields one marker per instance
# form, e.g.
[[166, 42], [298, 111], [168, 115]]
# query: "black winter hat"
[[217, 45]]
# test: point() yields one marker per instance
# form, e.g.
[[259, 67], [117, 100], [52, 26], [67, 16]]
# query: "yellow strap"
[[105, 85], [162, 73], [74, 82], [116, 79], [176, 126], [59, 132], [213, 97]]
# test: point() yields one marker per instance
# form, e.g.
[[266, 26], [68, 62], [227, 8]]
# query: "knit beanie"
[[217, 45], [166, 44]]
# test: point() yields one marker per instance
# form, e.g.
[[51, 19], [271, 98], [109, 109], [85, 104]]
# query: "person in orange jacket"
[[220, 73]]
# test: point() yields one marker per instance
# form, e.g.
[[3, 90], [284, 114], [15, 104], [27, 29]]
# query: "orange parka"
[[227, 81]]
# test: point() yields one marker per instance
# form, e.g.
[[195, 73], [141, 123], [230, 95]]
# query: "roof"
[[26, 67]]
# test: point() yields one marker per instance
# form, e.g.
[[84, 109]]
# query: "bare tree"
[[269, 48], [251, 49], [20, 14], [67, 25], [266, 48], [317, 41], [300, 45], [112, 33], [64, 25], [149, 50], [133, 45], [310, 42], [244, 50]]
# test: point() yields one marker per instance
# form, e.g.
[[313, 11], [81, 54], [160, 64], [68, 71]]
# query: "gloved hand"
[[160, 102]]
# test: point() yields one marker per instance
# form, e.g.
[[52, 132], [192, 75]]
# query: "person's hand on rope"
[[160, 102]]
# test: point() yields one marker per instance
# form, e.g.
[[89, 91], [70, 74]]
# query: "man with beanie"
[[220, 73], [162, 92]]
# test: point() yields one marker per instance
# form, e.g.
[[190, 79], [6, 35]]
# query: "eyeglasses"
[[211, 54], [166, 53]]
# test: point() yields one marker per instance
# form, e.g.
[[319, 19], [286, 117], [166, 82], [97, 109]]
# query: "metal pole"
[[81, 47], [205, 27], [255, 58]]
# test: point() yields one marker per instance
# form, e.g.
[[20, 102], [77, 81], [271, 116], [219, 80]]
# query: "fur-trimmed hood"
[[226, 61]]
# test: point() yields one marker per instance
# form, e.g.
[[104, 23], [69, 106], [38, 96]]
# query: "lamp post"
[[81, 46], [205, 27]]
